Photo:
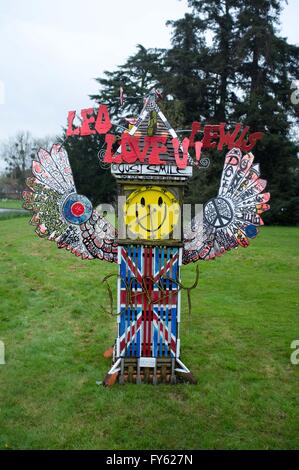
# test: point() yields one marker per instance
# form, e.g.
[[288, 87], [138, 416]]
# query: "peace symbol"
[[218, 212]]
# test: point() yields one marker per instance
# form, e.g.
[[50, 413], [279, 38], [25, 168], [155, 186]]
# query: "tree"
[[9, 187], [90, 178], [18, 153], [268, 65], [137, 76], [248, 71], [242, 73], [186, 78]]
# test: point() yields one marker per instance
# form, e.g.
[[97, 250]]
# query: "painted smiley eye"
[[160, 201], [142, 201]]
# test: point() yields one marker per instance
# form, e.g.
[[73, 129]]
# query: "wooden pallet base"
[[165, 371]]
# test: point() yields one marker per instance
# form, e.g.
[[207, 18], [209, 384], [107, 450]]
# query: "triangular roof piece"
[[163, 128]]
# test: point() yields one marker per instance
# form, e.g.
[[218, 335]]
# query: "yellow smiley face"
[[151, 213]]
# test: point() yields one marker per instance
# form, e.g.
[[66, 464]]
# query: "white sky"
[[51, 50]]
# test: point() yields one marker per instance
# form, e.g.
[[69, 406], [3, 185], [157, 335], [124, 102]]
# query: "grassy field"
[[10, 204], [236, 342]]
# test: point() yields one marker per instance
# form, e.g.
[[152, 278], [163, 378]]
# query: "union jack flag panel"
[[148, 301]]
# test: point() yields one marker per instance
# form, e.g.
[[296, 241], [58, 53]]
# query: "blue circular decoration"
[[251, 231], [77, 209]]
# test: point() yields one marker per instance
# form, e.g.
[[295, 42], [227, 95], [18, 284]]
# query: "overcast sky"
[[52, 49]]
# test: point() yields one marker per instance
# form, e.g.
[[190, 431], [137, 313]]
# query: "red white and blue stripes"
[[148, 301]]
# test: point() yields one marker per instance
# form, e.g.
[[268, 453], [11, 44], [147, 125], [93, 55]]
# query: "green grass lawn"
[[236, 342], [11, 204]]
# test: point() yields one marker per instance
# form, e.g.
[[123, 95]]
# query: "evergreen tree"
[[91, 179], [204, 77], [267, 65], [243, 73], [251, 69], [137, 76], [186, 77]]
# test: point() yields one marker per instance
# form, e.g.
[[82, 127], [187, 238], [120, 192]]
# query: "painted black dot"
[[160, 201]]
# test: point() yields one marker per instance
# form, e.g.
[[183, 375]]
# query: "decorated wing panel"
[[62, 215], [230, 219]]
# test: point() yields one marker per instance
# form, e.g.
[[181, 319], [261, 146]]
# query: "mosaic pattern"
[[62, 215]]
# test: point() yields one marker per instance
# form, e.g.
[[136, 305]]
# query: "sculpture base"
[[148, 370]]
